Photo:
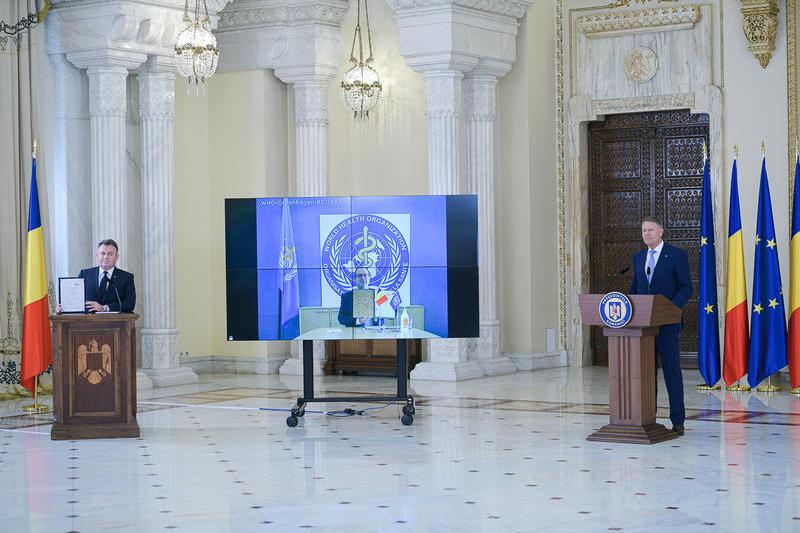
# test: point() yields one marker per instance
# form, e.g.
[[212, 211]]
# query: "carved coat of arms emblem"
[[94, 362], [641, 64]]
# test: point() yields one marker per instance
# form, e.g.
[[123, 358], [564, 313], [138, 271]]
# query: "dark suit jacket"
[[671, 277], [123, 281]]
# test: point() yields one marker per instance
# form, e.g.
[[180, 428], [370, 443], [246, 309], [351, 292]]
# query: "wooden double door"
[[645, 164]]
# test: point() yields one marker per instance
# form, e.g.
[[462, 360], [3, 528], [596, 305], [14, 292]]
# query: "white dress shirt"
[[100, 272]]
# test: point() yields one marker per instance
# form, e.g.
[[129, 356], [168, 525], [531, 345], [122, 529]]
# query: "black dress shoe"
[[678, 428]]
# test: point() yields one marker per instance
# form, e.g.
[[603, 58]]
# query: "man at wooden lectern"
[[107, 287], [664, 269]]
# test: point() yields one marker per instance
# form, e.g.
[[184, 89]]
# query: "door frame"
[[575, 240]]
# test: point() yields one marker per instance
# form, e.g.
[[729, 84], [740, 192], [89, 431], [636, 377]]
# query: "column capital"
[[157, 94], [480, 97], [158, 65], [459, 34], [107, 58]]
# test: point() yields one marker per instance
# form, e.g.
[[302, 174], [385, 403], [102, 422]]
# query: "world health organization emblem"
[[368, 241], [615, 310]]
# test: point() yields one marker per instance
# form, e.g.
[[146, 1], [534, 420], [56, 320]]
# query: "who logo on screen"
[[380, 243]]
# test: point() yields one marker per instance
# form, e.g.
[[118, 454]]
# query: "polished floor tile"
[[497, 454]]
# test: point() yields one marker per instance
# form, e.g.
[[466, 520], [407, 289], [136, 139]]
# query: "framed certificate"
[[71, 295], [363, 303]]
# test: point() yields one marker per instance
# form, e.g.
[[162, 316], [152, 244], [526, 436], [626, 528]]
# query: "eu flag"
[[290, 289], [708, 311], [768, 320]]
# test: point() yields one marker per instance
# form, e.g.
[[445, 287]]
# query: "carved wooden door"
[[644, 164]]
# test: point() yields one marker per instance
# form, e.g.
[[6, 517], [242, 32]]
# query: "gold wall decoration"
[[760, 22], [627, 3]]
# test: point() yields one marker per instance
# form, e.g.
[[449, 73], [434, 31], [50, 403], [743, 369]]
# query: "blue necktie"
[[651, 265]]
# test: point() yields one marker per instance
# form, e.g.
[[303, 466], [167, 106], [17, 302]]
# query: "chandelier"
[[196, 51], [361, 87]]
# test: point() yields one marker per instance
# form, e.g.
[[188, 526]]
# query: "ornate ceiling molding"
[[509, 8], [242, 14], [640, 20]]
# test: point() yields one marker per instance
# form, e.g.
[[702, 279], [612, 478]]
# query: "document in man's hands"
[[71, 295]]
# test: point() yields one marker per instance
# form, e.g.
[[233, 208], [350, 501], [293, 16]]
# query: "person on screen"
[[346, 317], [106, 287]]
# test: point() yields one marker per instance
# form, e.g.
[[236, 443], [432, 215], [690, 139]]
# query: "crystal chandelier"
[[196, 51], [361, 87]]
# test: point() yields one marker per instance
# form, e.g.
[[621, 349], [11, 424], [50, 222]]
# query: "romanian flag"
[[794, 281], [737, 341], [36, 341]]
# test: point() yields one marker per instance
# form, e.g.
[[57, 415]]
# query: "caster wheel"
[[301, 413], [408, 410], [291, 421], [407, 420]]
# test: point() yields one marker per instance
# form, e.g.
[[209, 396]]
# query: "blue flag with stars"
[[708, 312], [768, 315]]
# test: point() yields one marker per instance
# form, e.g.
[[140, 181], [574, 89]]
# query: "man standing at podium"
[[664, 269]]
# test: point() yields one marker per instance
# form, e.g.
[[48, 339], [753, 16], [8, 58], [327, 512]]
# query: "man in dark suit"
[[664, 269], [106, 287]]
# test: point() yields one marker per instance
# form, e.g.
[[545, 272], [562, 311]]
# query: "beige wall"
[[246, 122]]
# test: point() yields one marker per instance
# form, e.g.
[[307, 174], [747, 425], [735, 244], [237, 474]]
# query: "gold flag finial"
[[736, 151], [705, 150], [35, 148], [763, 148]]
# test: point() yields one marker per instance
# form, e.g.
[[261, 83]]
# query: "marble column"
[[69, 168], [159, 333], [107, 104], [311, 146], [480, 105], [447, 359]]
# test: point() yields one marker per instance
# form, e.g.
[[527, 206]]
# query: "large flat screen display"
[[344, 268]]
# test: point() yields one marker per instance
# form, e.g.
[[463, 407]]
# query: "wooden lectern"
[[94, 376], [632, 368]]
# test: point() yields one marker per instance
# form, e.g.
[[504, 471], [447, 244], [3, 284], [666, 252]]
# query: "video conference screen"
[[346, 268]]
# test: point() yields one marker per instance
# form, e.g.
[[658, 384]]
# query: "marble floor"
[[506, 453]]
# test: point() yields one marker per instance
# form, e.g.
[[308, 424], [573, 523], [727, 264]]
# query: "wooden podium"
[[94, 376], [632, 368]]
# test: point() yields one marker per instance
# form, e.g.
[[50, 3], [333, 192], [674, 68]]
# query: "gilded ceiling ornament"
[[760, 22], [641, 64]]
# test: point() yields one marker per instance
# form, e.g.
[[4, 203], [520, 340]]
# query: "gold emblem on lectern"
[[96, 374]]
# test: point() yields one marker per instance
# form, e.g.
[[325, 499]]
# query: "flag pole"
[[769, 387], [36, 407]]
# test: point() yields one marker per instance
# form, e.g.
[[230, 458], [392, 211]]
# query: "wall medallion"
[[641, 64]]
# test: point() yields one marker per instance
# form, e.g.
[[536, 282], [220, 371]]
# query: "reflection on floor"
[[498, 454]]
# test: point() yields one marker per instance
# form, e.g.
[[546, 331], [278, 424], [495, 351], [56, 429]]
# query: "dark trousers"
[[669, 354]]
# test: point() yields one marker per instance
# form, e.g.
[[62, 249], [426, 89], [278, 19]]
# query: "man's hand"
[[92, 306]]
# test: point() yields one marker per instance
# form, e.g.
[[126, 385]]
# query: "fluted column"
[[480, 104], [107, 104], [311, 128], [448, 359], [159, 333], [444, 110], [311, 145]]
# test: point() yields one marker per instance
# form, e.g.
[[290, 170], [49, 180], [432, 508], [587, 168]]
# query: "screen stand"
[[299, 410]]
